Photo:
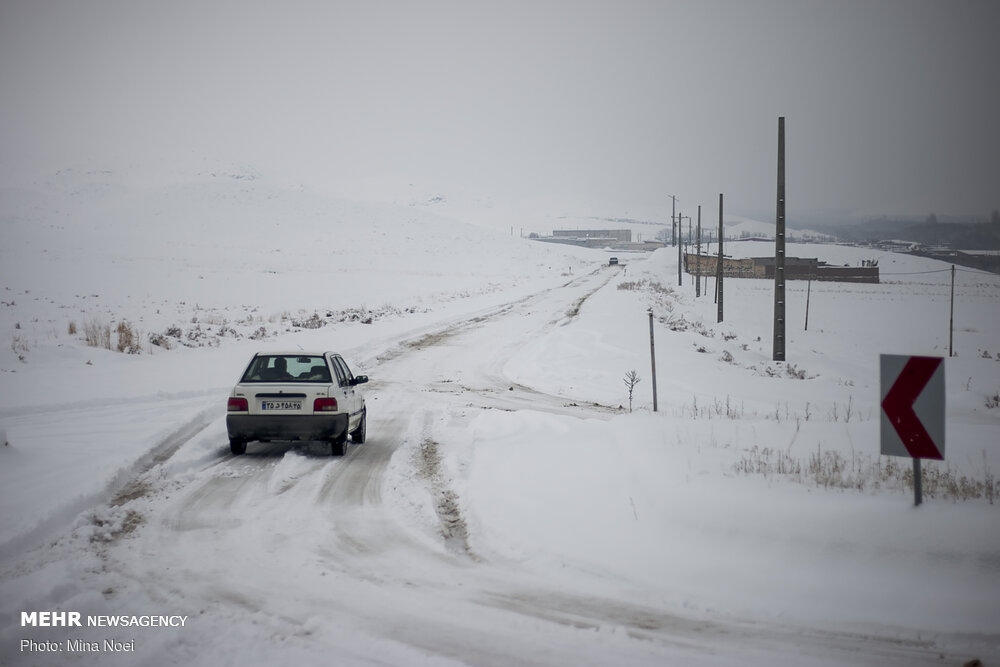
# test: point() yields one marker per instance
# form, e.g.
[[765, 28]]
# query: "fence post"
[[808, 292]]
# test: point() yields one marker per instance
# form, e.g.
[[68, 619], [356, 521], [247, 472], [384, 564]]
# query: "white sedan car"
[[297, 396]]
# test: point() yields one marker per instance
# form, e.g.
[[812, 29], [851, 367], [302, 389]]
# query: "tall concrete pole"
[[680, 246], [718, 267], [697, 279], [779, 251], [673, 219]]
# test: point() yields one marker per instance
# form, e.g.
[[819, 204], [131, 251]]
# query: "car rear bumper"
[[247, 427]]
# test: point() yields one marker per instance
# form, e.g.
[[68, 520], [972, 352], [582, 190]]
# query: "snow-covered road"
[[286, 556]]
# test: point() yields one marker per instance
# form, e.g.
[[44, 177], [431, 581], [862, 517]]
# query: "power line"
[[922, 273], [914, 273], [978, 271]]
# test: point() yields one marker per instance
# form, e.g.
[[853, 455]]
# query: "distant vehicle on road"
[[613, 261], [297, 396]]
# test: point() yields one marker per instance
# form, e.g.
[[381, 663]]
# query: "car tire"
[[338, 445], [358, 434], [238, 447]]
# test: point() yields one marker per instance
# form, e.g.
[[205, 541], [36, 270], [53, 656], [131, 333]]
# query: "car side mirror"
[[359, 379]]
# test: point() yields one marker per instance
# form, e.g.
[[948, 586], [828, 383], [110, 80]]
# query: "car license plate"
[[281, 405]]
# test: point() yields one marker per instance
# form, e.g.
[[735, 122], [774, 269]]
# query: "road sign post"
[[912, 415]]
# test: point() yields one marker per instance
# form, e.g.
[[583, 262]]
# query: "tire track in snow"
[[495, 392], [446, 502], [498, 393], [234, 513], [574, 310], [126, 485]]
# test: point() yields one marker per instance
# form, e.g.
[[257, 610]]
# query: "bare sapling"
[[631, 380]]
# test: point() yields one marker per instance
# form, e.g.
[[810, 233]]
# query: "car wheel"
[[238, 447], [338, 445], [358, 435]]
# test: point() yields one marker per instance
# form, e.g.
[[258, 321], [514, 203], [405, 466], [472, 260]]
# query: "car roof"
[[294, 353]]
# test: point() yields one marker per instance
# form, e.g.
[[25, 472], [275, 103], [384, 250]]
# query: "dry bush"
[[19, 344], [97, 334], [128, 338], [832, 470]]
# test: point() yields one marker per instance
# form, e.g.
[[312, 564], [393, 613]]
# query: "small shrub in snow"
[[661, 297], [312, 322], [128, 338], [794, 372], [789, 371], [159, 340], [832, 470], [196, 336], [645, 285], [768, 462], [726, 409], [848, 410], [19, 344], [97, 334]]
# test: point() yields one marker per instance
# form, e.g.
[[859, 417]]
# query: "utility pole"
[[808, 292], [697, 278], [673, 223], [779, 251], [951, 317], [652, 356], [718, 266], [690, 242], [680, 246]]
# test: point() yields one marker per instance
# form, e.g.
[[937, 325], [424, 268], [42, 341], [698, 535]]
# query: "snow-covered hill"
[[509, 507]]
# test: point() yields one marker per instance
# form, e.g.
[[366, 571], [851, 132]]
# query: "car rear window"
[[287, 368]]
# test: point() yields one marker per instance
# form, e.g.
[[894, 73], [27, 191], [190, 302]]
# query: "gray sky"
[[891, 106]]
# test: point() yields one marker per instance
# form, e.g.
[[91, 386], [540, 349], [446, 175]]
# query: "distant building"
[[796, 268], [611, 235], [615, 239], [986, 260]]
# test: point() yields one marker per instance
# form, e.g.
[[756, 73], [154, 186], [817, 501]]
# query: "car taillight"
[[237, 404], [325, 405]]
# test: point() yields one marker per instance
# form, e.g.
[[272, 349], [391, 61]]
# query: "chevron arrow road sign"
[[913, 399]]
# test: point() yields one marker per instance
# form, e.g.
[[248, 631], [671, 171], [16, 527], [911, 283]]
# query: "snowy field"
[[508, 507]]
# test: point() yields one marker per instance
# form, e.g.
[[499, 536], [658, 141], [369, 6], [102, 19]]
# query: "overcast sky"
[[891, 106]]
